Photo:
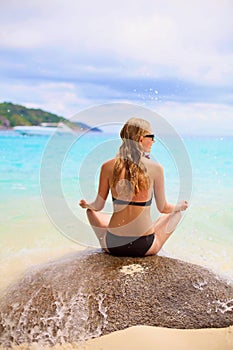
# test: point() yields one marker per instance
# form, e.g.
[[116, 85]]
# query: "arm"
[[103, 190], [160, 198]]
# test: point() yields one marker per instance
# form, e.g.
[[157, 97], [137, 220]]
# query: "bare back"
[[127, 219]]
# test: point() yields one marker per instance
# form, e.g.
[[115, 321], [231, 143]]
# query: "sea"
[[43, 178]]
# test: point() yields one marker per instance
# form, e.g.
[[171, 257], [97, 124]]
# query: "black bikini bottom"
[[128, 245]]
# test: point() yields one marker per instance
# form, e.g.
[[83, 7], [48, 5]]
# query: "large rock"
[[86, 295]]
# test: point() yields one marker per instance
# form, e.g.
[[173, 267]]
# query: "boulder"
[[91, 294]]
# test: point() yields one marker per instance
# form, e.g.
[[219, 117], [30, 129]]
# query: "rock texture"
[[83, 296]]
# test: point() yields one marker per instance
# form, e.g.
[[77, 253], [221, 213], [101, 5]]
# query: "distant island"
[[12, 115]]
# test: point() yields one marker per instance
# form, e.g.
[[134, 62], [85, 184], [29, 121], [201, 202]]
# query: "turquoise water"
[[28, 236]]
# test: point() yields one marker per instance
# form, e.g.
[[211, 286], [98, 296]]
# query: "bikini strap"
[[142, 204]]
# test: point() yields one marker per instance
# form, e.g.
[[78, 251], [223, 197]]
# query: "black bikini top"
[[141, 204]]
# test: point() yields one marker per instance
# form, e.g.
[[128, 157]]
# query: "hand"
[[183, 205], [83, 204]]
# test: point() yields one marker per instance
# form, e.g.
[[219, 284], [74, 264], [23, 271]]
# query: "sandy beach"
[[142, 337], [150, 338]]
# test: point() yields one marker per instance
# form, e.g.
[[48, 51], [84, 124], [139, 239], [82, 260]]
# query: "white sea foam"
[[200, 284], [132, 269], [69, 319], [223, 306]]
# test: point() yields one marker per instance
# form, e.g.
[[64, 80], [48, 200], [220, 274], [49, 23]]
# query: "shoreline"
[[147, 337], [15, 267]]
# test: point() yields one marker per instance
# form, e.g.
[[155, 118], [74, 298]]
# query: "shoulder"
[[108, 165], [154, 169], [152, 164], [158, 167]]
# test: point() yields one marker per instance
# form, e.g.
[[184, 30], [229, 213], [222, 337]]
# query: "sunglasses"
[[152, 136]]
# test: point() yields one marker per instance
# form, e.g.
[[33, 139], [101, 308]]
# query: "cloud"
[[157, 38], [61, 98], [198, 118], [67, 55], [66, 99]]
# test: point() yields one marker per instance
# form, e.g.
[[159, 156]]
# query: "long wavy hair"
[[129, 157]]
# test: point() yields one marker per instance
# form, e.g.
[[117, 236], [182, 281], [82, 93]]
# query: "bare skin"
[[134, 220]]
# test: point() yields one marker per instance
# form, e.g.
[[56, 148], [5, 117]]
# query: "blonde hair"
[[129, 157]]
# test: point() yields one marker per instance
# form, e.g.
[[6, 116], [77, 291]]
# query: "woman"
[[133, 179]]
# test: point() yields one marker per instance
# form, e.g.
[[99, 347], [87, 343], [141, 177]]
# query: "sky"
[[172, 56]]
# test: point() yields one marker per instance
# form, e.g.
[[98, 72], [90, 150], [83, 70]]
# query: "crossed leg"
[[164, 226], [99, 223]]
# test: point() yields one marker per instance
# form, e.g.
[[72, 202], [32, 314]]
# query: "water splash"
[[199, 284], [224, 306], [69, 318]]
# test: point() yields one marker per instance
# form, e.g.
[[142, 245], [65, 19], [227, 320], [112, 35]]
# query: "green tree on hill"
[[20, 115]]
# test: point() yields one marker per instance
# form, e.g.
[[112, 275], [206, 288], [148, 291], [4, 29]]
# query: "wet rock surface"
[[88, 295]]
